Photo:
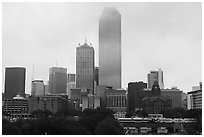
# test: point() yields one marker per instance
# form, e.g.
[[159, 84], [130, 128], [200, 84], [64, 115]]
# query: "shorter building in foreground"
[[116, 100], [156, 103], [194, 98], [53, 103], [16, 107]]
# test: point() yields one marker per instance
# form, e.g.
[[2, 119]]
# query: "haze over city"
[[154, 35]]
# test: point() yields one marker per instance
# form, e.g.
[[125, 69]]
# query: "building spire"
[[85, 40]]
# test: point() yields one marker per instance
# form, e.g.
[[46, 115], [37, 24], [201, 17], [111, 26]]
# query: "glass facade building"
[[85, 67], [110, 48], [14, 82], [58, 80]]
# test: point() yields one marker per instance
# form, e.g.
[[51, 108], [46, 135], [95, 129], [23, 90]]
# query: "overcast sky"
[[154, 35]]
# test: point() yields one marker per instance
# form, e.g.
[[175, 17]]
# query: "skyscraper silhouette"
[[110, 48], [14, 82]]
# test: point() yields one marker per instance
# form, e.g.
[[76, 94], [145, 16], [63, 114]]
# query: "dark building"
[[14, 82], [155, 103], [96, 76], [135, 93], [53, 103]]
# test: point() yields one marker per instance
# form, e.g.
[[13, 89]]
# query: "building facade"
[[178, 98], [195, 99], [16, 107], [58, 80], [14, 82], [116, 100], [155, 76], [134, 95], [71, 78], [85, 67], [53, 103], [38, 87], [110, 48]]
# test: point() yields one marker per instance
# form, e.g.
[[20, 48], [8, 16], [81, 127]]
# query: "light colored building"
[[90, 101], [116, 100], [58, 80], [194, 98], [155, 76], [110, 48], [37, 88], [177, 96], [85, 67]]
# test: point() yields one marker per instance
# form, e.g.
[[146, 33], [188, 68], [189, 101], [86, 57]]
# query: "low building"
[[16, 107], [116, 100], [194, 98], [156, 103], [177, 96], [90, 101], [53, 103], [37, 88]]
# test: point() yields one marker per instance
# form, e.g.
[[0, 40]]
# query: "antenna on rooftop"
[[85, 40], [33, 72]]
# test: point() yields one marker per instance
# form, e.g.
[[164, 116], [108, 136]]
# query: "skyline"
[[44, 29]]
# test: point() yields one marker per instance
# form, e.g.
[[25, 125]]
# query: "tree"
[[109, 126]]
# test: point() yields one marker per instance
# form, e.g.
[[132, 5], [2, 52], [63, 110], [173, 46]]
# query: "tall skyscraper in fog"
[[155, 76], [58, 80], [110, 48], [85, 67], [14, 82]]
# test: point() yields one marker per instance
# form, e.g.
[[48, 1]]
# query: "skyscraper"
[[85, 67], [37, 88], [14, 82], [57, 80], [110, 48], [155, 76]]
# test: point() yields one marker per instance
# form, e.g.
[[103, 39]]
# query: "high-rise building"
[[70, 77], [58, 80], [14, 82], [155, 76], [37, 88], [85, 67], [110, 48]]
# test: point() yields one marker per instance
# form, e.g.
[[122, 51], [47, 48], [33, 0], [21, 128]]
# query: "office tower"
[[70, 77], [14, 82], [37, 88], [57, 80], [85, 67], [96, 77], [110, 48], [134, 95], [155, 76]]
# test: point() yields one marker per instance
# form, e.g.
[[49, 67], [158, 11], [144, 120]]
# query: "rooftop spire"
[[85, 40]]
